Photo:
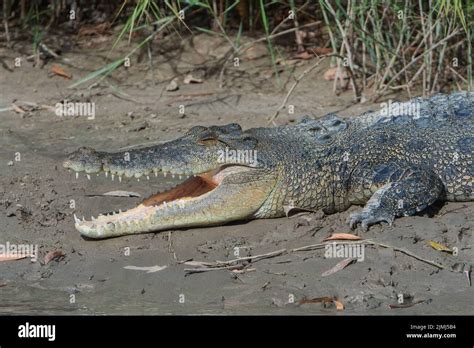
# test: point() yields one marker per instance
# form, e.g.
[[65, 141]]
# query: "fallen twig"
[[298, 79], [406, 305], [339, 266], [307, 71], [253, 258], [242, 48], [238, 263], [208, 269], [409, 253], [244, 270], [115, 194], [189, 96], [380, 92]]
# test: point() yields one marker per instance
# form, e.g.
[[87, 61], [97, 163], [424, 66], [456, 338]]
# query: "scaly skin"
[[395, 165]]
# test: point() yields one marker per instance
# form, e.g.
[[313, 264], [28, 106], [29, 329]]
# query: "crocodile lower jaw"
[[191, 203]]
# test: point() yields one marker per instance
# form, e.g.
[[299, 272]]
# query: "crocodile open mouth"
[[187, 204]]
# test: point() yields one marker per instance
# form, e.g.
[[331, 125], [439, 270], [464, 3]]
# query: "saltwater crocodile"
[[396, 162]]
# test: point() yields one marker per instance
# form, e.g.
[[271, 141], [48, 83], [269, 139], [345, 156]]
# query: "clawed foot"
[[367, 218]]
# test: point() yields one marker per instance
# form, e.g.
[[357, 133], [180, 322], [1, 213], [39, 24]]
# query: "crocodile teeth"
[[113, 176], [164, 174], [147, 177], [106, 174], [77, 175], [88, 176], [120, 178], [76, 220]]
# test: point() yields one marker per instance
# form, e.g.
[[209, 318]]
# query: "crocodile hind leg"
[[407, 192]]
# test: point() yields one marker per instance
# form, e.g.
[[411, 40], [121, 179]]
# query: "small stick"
[[323, 245], [245, 270], [409, 253], [298, 79], [250, 44], [457, 74], [170, 246], [237, 263], [189, 96], [299, 40], [207, 269], [307, 71], [49, 51], [408, 305], [6, 8], [253, 258], [379, 93]]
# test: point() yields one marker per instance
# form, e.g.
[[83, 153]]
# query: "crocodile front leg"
[[401, 192]]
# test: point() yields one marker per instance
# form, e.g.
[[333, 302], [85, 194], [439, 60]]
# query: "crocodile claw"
[[366, 219]]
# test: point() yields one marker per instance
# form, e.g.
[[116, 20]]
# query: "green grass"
[[388, 43]]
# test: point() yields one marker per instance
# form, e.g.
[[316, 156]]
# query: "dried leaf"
[[331, 74], [150, 269], [18, 109], [342, 236], [93, 30], [325, 299], [55, 254], [256, 51], [339, 266], [322, 50], [290, 62], [56, 69], [191, 79], [339, 305], [305, 55], [121, 194], [439, 247], [11, 258]]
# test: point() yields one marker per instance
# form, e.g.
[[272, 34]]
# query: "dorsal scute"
[[421, 111]]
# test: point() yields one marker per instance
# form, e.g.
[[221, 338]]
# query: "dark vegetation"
[[380, 46]]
